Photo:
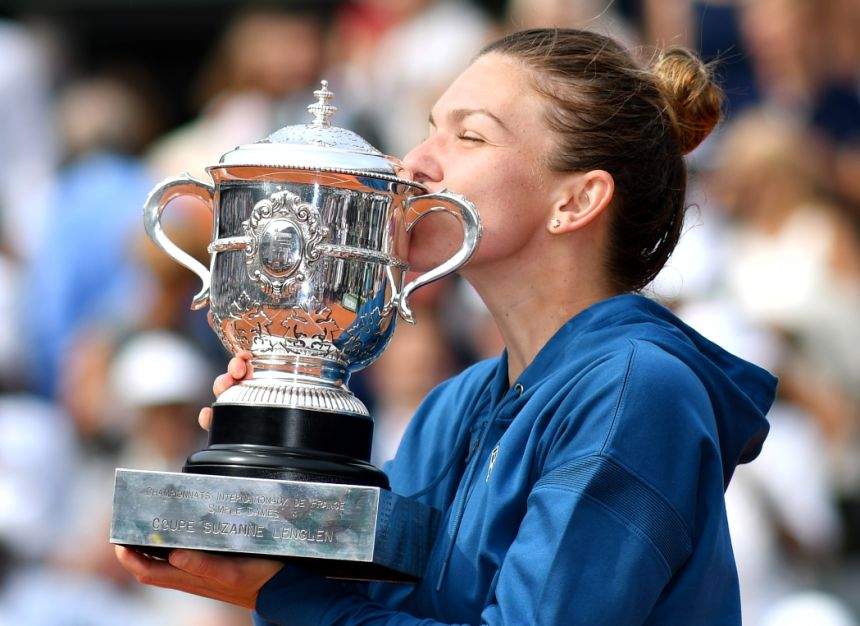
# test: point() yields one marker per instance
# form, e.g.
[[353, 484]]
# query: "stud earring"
[[555, 223]]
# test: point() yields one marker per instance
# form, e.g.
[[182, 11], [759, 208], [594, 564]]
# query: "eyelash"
[[474, 139]]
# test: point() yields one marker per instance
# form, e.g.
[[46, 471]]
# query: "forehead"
[[501, 85]]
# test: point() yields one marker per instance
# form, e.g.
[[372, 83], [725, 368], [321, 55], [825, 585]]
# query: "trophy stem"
[[288, 443], [301, 368]]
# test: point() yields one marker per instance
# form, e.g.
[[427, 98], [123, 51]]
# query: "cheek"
[[512, 204], [434, 239], [509, 200]]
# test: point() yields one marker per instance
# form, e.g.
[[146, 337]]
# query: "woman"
[[581, 474]]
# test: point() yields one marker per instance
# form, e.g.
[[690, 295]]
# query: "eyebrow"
[[458, 115]]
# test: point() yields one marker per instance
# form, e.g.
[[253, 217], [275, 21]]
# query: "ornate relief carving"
[[283, 235]]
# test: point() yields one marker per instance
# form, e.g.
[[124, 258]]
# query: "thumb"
[[227, 570], [197, 562]]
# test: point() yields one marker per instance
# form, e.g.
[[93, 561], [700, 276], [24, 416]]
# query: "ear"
[[582, 197]]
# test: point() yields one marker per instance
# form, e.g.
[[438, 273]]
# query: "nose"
[[422, 163]]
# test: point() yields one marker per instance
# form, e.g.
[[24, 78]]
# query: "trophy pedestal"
[[338, 530], [288, 444]]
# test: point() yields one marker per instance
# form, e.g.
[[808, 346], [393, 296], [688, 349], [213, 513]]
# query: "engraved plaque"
[[328, 522]]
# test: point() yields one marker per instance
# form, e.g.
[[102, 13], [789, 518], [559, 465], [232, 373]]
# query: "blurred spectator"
[[595, 15], [790, 47], [260, 78], [161, 302], [395, 79], [39, 466], [80, 271], [781, 509], [796, 260], [154, 385], [803, 64], [160, 380], [37, 453], [28, 147]]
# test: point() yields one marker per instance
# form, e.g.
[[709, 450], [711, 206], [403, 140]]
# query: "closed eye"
[[470, 137]]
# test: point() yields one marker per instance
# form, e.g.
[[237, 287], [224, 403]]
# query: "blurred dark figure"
[[803, 65], [797, 68]]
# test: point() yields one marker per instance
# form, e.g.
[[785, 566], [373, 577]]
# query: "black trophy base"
[[288, 444]]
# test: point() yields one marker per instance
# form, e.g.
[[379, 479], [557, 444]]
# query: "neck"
[[531, 296]]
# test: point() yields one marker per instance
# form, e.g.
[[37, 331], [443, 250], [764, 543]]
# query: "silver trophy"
[[308, 265]]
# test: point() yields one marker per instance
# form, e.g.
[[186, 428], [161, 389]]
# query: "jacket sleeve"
[[596, 546]]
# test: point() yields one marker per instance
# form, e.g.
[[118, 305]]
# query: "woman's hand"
[[239, 368], [233, 579]]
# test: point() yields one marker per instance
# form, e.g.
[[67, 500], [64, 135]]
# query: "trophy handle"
[[469, 219], [164, 192]]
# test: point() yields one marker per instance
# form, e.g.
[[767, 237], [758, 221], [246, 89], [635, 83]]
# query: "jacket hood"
[[741, 393]]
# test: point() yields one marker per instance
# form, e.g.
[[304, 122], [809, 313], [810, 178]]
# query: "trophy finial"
[[321, 109]]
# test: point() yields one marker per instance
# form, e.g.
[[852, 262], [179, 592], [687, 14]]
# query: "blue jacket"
[[589, 492]]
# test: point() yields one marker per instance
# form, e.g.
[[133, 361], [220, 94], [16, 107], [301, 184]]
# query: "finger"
[[237, 368], [161, 574], [207, 566], [246, 356], [147, 571], [205, 418], [227, 570], [222, 383]]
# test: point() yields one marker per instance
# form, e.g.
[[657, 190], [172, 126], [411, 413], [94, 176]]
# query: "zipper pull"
[[475, 440], [493, 456]]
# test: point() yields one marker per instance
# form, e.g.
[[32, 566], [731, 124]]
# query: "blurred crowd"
[[103, 365]]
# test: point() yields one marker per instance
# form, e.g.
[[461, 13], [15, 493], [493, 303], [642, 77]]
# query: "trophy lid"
[[317, 146]]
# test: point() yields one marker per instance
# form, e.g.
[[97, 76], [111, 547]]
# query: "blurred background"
[[103, 365]]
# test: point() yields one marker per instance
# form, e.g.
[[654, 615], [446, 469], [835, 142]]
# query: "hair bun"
[[695, 100]]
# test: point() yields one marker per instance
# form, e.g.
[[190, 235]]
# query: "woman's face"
[[488, 141]]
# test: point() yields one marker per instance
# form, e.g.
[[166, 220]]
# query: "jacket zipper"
[[460, 502]]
